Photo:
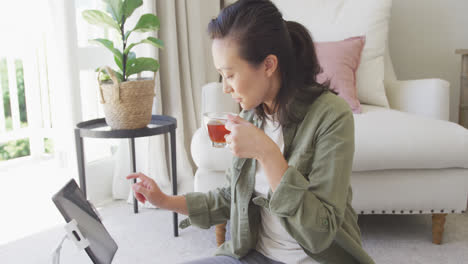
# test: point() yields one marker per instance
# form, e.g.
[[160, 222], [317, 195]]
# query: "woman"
[[288, 196]]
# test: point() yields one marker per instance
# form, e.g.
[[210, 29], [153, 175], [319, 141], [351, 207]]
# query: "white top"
[[274, 241]]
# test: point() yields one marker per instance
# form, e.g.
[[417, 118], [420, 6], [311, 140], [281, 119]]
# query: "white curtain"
[[63, 80], [186, 65]]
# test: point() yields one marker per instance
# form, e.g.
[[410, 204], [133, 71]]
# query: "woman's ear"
[[271, 64]]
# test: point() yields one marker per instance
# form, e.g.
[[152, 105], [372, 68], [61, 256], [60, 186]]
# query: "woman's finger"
[[228, 125], [228, 138], [132, 176], [236, 119], [137, 175], [140, 197], [140, 188]]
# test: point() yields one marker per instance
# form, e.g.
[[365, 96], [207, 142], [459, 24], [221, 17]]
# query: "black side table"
[[97, 128]]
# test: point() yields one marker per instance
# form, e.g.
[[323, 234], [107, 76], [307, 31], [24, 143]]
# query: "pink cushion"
[[340, 61]]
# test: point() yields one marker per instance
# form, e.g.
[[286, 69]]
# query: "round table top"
[[97, 128]]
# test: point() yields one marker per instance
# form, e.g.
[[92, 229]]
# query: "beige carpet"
[[147, 238]]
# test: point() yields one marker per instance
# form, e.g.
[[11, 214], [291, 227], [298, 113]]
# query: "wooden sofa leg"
[[220, 233], [438, 221]]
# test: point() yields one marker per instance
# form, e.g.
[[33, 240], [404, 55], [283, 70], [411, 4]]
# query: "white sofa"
[[408, 160]]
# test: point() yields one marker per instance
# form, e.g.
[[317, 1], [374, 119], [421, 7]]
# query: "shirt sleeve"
[[316, 202], [211, 208]]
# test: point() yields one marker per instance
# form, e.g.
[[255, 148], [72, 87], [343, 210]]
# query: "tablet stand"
[[73, 234]]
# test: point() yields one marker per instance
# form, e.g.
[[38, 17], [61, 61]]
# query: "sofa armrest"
[[207, 157], [426, 97]]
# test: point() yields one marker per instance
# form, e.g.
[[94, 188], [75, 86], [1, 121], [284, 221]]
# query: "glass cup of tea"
[[214, 125]]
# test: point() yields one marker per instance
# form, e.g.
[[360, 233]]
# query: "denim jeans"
[[253, 257]]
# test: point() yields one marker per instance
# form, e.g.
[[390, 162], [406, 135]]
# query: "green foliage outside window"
[[6, 93], [16, 148], [48, 145]]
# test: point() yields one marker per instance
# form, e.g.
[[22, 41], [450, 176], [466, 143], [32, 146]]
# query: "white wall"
[[423, 37]]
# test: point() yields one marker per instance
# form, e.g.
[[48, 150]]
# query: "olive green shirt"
[[313, 198]]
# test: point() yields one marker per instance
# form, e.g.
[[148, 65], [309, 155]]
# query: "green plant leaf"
[[118, 61], [130, 62], [147, 22], [129, 6], [154, 41], [114, 7], [104, 76], [110, 46], [100, 18], [130, 47], [127, 34], [141, 64], [131, 56], [119, 76], [150, 40]]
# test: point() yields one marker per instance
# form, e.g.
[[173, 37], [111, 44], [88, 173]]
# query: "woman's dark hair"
[[259, 30]]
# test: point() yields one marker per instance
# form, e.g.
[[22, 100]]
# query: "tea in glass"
[[215, 127]]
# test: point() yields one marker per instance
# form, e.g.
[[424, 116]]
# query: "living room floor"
[[147, 237]]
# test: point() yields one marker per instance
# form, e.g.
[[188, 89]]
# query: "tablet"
[[72, 204]]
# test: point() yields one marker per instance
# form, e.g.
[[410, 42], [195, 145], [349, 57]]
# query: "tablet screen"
[[72, 204]]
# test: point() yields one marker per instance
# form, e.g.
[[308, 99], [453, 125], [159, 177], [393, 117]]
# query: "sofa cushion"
[[385, 139], [339, 61], [340, 19], [390, 139]]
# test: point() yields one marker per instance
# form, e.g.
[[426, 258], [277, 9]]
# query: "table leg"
[[80, 159], [133, 160], [174, 177]]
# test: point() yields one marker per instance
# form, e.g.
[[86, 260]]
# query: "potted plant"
[[127, 102]]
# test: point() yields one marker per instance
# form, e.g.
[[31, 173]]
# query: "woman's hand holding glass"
[[245, 139]]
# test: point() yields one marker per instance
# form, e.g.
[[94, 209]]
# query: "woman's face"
[[248, 85]]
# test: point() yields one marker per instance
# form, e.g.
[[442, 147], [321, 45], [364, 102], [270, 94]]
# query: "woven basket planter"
[[127, 105]]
